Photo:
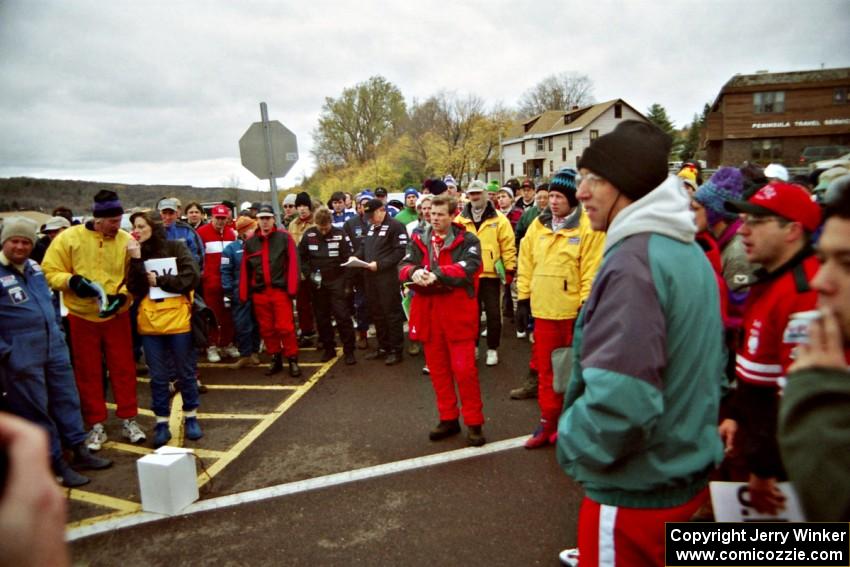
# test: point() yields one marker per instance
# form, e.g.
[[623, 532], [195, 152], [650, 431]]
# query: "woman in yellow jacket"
[[558, 259], [164, 323], [498, 250]]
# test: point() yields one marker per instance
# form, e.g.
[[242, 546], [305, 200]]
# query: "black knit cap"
[[438, 187], [633, 157], [303, 198], [107, 205]]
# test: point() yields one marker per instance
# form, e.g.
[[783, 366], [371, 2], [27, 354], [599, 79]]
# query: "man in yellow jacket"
[[558, 259], [88, 264], [498, 250]]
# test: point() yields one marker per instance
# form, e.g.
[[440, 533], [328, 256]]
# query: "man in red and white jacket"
[[443, 263], [778, 222], [216, 235]]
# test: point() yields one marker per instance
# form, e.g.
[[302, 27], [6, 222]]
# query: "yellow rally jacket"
[[84, 251], [496, 236], [556, 269]]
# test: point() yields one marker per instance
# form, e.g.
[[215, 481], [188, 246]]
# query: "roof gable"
[[556, 121]]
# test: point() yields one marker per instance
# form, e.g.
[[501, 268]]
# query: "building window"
[[767, 103], [767, 150], [550, 143], [503, 165], [577, 158], [539, 144], [594, 134], [570, 141], [551, 166], [523, 148], [618, 111], [564, 154], [512, 170], [524, 168], [840, 95]]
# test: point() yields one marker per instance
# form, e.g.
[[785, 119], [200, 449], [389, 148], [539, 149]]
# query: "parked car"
[[812, 154], [830, 163]]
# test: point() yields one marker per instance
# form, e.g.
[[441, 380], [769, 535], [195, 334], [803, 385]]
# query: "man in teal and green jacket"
[[639, 427]]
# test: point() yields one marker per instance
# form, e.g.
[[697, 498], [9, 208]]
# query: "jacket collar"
[[489, 211], [762, 275], [573, 219]]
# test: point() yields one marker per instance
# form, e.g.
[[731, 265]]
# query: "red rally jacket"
[[269, 261], [214, 243], [452, 301]]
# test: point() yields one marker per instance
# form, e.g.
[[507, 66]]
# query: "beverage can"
[[797, 330]]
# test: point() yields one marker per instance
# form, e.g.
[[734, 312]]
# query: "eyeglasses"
[[591, 178], [751, 221]]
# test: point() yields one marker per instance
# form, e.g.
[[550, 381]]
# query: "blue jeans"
[[171, 356], [247, 336]]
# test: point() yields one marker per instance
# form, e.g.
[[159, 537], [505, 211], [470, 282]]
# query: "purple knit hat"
[[726, 184], [106, 205]]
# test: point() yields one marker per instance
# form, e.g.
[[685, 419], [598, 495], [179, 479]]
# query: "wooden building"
[[539, 146], [772, 117]]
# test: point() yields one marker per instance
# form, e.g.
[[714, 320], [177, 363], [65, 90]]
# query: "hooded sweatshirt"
[[639, 427]]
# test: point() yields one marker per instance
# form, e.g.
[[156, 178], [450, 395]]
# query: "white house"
[[541, 145]]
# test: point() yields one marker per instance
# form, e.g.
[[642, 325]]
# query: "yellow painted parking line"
[[103, 500], [267, 422], [175, 421], [128, 448], [250, 387], [249, 416]]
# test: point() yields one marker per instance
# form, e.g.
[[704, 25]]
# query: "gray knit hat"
[[18, 226]]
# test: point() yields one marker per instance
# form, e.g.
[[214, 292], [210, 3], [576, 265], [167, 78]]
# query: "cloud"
[[164, 90]]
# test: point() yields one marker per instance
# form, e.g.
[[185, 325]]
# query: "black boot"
[[294, 369], [329, 354], [380, 353], [83, 459], [349, 358], [444, 429], [276, 365], [68, 476], [474, 436]]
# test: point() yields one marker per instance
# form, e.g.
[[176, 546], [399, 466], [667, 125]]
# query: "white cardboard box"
[[167, 480]]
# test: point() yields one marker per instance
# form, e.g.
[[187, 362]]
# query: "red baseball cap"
[[220, 211], [785, 200]]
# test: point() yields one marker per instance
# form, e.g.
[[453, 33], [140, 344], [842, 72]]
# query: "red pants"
[[273, 309], [549, 335], [214, 298], [450, 362], [305, 310], [90, 341], [633, 537]]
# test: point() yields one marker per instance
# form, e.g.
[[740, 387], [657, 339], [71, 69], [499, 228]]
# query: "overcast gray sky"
[[160, 92]]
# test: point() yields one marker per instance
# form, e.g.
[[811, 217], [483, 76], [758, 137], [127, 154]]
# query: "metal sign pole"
[[264, 114]]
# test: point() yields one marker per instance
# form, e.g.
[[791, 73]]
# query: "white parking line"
[[301, 486]]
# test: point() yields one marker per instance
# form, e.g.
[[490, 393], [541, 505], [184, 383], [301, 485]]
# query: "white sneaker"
[[492, 357], [521, 334], [133, 432], [484, 333], [212, 354], [569, 557], [230, 351], [426, 370], [96, 438], [371, 333]]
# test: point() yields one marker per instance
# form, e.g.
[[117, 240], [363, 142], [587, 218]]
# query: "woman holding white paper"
[[162, 278]]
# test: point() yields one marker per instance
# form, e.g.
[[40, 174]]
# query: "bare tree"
[[561, 91]]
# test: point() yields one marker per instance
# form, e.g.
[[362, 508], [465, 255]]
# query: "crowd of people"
[[667, 314]]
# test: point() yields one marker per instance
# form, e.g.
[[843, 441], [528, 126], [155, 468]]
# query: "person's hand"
[[113, 305], [418, 276], [825, 347], [82, 286], [134, 249], [522, 314], [32, 506], [727, 430], [765, 497], [152, 279], [373, 266]]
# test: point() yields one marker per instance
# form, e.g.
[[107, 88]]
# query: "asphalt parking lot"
[[335, 468]]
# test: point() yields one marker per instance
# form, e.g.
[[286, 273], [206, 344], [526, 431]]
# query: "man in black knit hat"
[[639, 426], [85, 262]]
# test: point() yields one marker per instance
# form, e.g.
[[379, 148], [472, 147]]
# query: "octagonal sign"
[[253, 150]]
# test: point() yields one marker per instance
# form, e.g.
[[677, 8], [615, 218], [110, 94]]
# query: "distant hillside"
[[26, 193]]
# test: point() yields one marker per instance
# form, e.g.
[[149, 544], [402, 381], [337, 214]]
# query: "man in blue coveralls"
[[35, 369]]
